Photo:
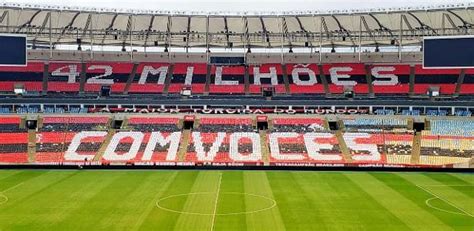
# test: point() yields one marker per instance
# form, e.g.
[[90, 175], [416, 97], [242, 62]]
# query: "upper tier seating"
[[13, 141], [227, 80], [304, 79], [155, 78]]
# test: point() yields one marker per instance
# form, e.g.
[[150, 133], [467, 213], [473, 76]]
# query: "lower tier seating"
[[13, 141]]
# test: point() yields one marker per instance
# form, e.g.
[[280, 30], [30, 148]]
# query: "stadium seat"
[[13, 141]]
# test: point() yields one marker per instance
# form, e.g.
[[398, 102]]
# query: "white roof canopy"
[[179, 29]]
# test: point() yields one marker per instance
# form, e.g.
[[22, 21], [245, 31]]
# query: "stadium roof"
[[118, 27]]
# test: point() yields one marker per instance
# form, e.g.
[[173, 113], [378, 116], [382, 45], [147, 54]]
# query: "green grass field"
[[234, 200]]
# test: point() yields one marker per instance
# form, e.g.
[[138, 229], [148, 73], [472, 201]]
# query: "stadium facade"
[[374, 106]]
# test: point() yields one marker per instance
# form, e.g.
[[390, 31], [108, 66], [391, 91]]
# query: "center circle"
[[3, 199], [259, 203]]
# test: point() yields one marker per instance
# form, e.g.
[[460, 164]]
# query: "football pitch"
[[234, 200]]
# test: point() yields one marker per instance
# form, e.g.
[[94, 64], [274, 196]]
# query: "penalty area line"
[[446, 201], [2, 193], [11, 188], [216, 202]]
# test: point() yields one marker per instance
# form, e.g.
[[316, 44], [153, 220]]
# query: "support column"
[[411, 91], [45, 79], [324, 81], [247, 80], [285, 79], [82, 77], [459, 83], [169, 75], [130, 78], [368, 76], [208, 79]]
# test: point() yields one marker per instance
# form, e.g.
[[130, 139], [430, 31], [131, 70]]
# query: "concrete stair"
[[31, 146], [104, 145], [183, 146], [344, 149], [416, 149], [265, 147]]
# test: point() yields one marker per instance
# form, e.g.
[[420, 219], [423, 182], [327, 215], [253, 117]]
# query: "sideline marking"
[[427, 202], [2, 195], [216, 201], [217, 214]]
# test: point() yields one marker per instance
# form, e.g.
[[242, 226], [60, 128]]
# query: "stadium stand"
[[13, 141], [224, 140], [188, 75], [158, 139], [304, 79], [448, 141], [379, 139], [56, 134], [266, 75], [302, 140], [227, 80], [152, 78]]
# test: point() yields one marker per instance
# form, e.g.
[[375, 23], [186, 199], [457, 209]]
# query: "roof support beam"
[[369, 30], [87, 26], [128, 31], [28, 23], [285, 32], [343, 30], [383, 28], [68, 27], [422, 25], [226, 28], [265, 32], [43, 26], [168, 32], [148, 31], [246, 32], [109, 28], [304, 30], [4, 16], [188, 30]]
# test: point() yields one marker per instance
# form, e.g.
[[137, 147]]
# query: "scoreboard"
[[448, 52], [13, 50]]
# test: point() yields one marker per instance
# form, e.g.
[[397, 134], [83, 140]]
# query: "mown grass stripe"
[[453, 182], [8, 173], [206, 181], [467, 177], [158, 185], [418, 196], [232, 182], [258, 183], [103, 201], [351, 205], [449, 193], [164, 220], [411, 213], [292, 202], [19, 177]]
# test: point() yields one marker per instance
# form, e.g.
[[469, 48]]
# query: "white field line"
[[447, 185], [5, 198], [215, 202], [446, 201], [14, 186]]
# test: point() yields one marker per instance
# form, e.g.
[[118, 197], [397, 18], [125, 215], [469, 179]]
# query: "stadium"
[[148, 119]]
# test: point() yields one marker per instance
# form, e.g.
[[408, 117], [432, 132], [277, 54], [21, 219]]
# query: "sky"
[[240, 5]]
